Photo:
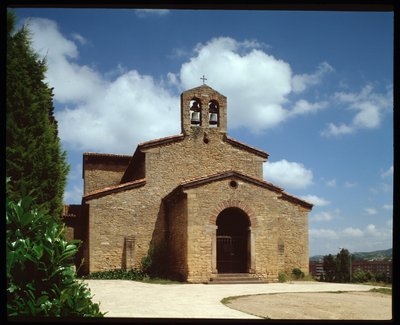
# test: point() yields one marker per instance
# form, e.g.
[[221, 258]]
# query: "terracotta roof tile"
[[95, 154], [294, 199], [244, 146], [114, 189], [194, 182], [161, 141]]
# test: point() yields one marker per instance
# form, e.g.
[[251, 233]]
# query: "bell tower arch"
[[203, 108]]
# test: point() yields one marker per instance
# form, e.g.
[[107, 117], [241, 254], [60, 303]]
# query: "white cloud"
[[388, 206], [368, 107], [353, 232], [331, 183], [142, 13], [322, 216], [74, 195], [388, 173], [323, 233], [317, 201], [256, 83], [99, 113], [333, 130], [389, 223], [349, 184], [304, 107], [381, 188], [288, 174], [101, 109], [72, 83], [301, 82], [353, 238], [103, 122], [79, 38], [370, 211]]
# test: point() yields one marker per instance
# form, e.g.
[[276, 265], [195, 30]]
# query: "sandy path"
[[318, 305]]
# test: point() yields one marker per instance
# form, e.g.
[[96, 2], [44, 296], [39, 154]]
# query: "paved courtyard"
[[124, 298]]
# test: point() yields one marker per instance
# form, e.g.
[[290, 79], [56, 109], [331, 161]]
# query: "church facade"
[[199, 198]]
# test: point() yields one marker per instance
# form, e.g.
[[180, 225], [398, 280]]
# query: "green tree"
[[34, 159], [359, 276], [329, 265], [343, 266], [40, 278]]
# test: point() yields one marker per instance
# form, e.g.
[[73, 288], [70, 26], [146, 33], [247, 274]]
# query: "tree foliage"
[[34, 159], [40, 277], [343, 266], [329, 265]]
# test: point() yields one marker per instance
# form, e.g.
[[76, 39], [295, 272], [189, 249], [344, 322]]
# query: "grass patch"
[[378, 284], [386, 291], [227, 300]]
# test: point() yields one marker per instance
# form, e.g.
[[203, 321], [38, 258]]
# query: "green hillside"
[[375, 255]]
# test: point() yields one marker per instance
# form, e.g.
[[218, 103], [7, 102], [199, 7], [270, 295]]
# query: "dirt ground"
[[318, 305]]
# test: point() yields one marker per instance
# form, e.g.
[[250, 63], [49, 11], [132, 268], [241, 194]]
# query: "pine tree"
[[34, 158], [329, 268], [343, 266]]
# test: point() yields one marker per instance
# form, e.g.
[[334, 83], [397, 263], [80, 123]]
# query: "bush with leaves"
[[282, 277], [40, 277], [297, 273], [118, 274]]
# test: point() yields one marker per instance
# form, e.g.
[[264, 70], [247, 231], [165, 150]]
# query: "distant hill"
[[375, 255]]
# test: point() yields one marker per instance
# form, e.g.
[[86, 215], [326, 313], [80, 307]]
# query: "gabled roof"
[[234, 174], [179, 137], [246, 147], [114, 189], [204, 86], [160, 141]]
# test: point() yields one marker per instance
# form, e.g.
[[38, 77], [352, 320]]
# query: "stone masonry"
[[171, 192]]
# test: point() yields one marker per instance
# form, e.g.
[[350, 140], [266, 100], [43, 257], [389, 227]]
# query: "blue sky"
[[313, 89]]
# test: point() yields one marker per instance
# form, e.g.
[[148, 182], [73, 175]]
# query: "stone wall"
[[168, 166], [139, 213], [103, 170], [96, 179], [177, 238], [276, 222]]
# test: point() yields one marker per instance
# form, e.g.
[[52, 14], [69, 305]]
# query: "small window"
[[233, 184]]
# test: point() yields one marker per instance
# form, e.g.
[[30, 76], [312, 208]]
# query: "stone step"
[[232, 278], [237, 275]]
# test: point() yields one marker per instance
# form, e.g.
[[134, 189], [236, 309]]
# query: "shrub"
[[40, 278], [282, 277], [359, 276], [118, 274], [297, 273]]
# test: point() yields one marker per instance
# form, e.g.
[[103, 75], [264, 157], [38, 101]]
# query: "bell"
[[195, 118], [213, 118]]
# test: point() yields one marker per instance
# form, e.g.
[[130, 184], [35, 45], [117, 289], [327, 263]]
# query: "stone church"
[[198, 197]]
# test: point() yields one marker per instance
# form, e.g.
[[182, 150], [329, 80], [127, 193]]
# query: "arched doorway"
[[233, 241]]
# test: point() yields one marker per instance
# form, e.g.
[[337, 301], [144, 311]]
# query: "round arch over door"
[[233, 241]]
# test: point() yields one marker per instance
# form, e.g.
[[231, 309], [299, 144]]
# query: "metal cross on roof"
[[203, 78]]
